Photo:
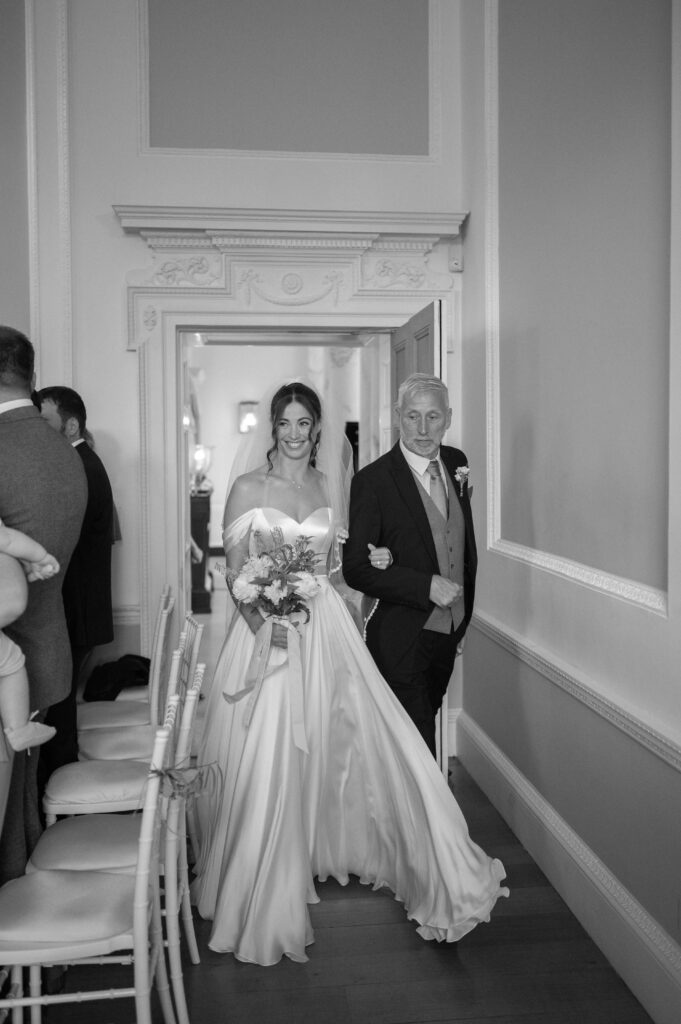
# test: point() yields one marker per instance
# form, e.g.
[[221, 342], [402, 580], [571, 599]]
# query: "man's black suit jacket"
[[87, 583], [386, 509]]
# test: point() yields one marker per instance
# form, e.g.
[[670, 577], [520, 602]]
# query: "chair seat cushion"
[[65, 906], [88, 842], [134, 693], [135, 741], [90, 786], [105, 714]]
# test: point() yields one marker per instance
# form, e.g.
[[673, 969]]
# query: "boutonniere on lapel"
[[461, 477]]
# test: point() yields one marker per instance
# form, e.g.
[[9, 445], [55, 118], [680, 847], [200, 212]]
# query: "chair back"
[[193, 631], [175, 832], [162, 603], [183, 782], [170, 687], [157, 669], [148, 852], [183, 748]]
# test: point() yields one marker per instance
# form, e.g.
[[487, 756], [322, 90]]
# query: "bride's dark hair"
[[295, 392]]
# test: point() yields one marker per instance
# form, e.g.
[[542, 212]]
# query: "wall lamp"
[[247, 417]]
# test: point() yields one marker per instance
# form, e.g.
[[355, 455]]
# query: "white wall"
[[90, 75], [584, 191], [14, 258], [571, 684]]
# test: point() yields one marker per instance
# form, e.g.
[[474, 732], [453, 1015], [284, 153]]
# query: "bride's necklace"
[[288, 480]]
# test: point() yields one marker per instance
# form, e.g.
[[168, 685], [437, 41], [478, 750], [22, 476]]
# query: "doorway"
[[164, 453], [223, 376], [222, 373]]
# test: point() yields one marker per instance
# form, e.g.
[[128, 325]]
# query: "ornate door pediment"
[[259, 270]]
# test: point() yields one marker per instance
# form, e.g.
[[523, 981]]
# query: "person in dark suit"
[[87, 582], [43, 493], [414, 501]]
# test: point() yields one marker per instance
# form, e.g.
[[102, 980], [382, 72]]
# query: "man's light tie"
[[437, 488]]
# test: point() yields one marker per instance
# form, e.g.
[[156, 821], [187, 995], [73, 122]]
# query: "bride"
[[323, 773]]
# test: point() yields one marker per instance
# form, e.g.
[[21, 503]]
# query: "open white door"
[[418, 347]]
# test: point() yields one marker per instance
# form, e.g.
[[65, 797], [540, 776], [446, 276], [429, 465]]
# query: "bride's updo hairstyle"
[[295, 392]]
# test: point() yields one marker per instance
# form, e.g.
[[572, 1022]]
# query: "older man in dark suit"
[[414, 501], [43, 492], [87, 581]]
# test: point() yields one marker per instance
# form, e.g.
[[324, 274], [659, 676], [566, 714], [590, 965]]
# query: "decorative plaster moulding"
[[649, 598], [214, 220], [581, 688], [439, 45], [281, 260]]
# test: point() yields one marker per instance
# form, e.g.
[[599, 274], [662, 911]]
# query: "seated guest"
[[87, 582]]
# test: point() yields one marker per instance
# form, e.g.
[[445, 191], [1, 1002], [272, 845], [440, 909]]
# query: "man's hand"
[[444, 592], [380, 558]]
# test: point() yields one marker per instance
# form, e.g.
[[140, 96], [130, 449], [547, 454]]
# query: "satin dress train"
[[366, 799]]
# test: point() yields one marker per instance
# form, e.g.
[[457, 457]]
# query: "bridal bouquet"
[[279, 579]]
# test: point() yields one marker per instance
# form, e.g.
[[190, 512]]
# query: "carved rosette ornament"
[[291, 284], [252, 285]]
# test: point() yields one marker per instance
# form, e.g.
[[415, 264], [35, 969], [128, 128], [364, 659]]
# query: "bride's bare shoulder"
[[247, 489], [247, 481]]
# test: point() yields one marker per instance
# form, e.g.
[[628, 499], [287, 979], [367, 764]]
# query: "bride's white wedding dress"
[[367, 799]]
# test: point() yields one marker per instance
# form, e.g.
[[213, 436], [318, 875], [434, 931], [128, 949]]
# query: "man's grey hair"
[[416, 383]]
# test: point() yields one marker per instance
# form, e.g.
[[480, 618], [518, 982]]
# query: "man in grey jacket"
[[43, 492]]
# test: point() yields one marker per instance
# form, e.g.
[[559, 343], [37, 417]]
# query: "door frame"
[[162, 464], [262, 271]]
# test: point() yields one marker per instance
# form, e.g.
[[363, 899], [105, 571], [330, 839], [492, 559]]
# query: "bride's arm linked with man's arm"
[[402, 584]]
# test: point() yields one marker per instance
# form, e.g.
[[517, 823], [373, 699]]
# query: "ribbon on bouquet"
[[256, 674]]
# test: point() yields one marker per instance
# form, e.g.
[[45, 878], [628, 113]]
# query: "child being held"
[[20, 730]]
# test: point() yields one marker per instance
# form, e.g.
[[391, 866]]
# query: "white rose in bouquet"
[[306, 585], [244, 591], [275, 592]]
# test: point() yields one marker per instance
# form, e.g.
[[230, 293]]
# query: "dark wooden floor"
[[532, 964]]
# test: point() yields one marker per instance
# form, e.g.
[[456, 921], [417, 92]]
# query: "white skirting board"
[[642, 953], [453, 715]]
